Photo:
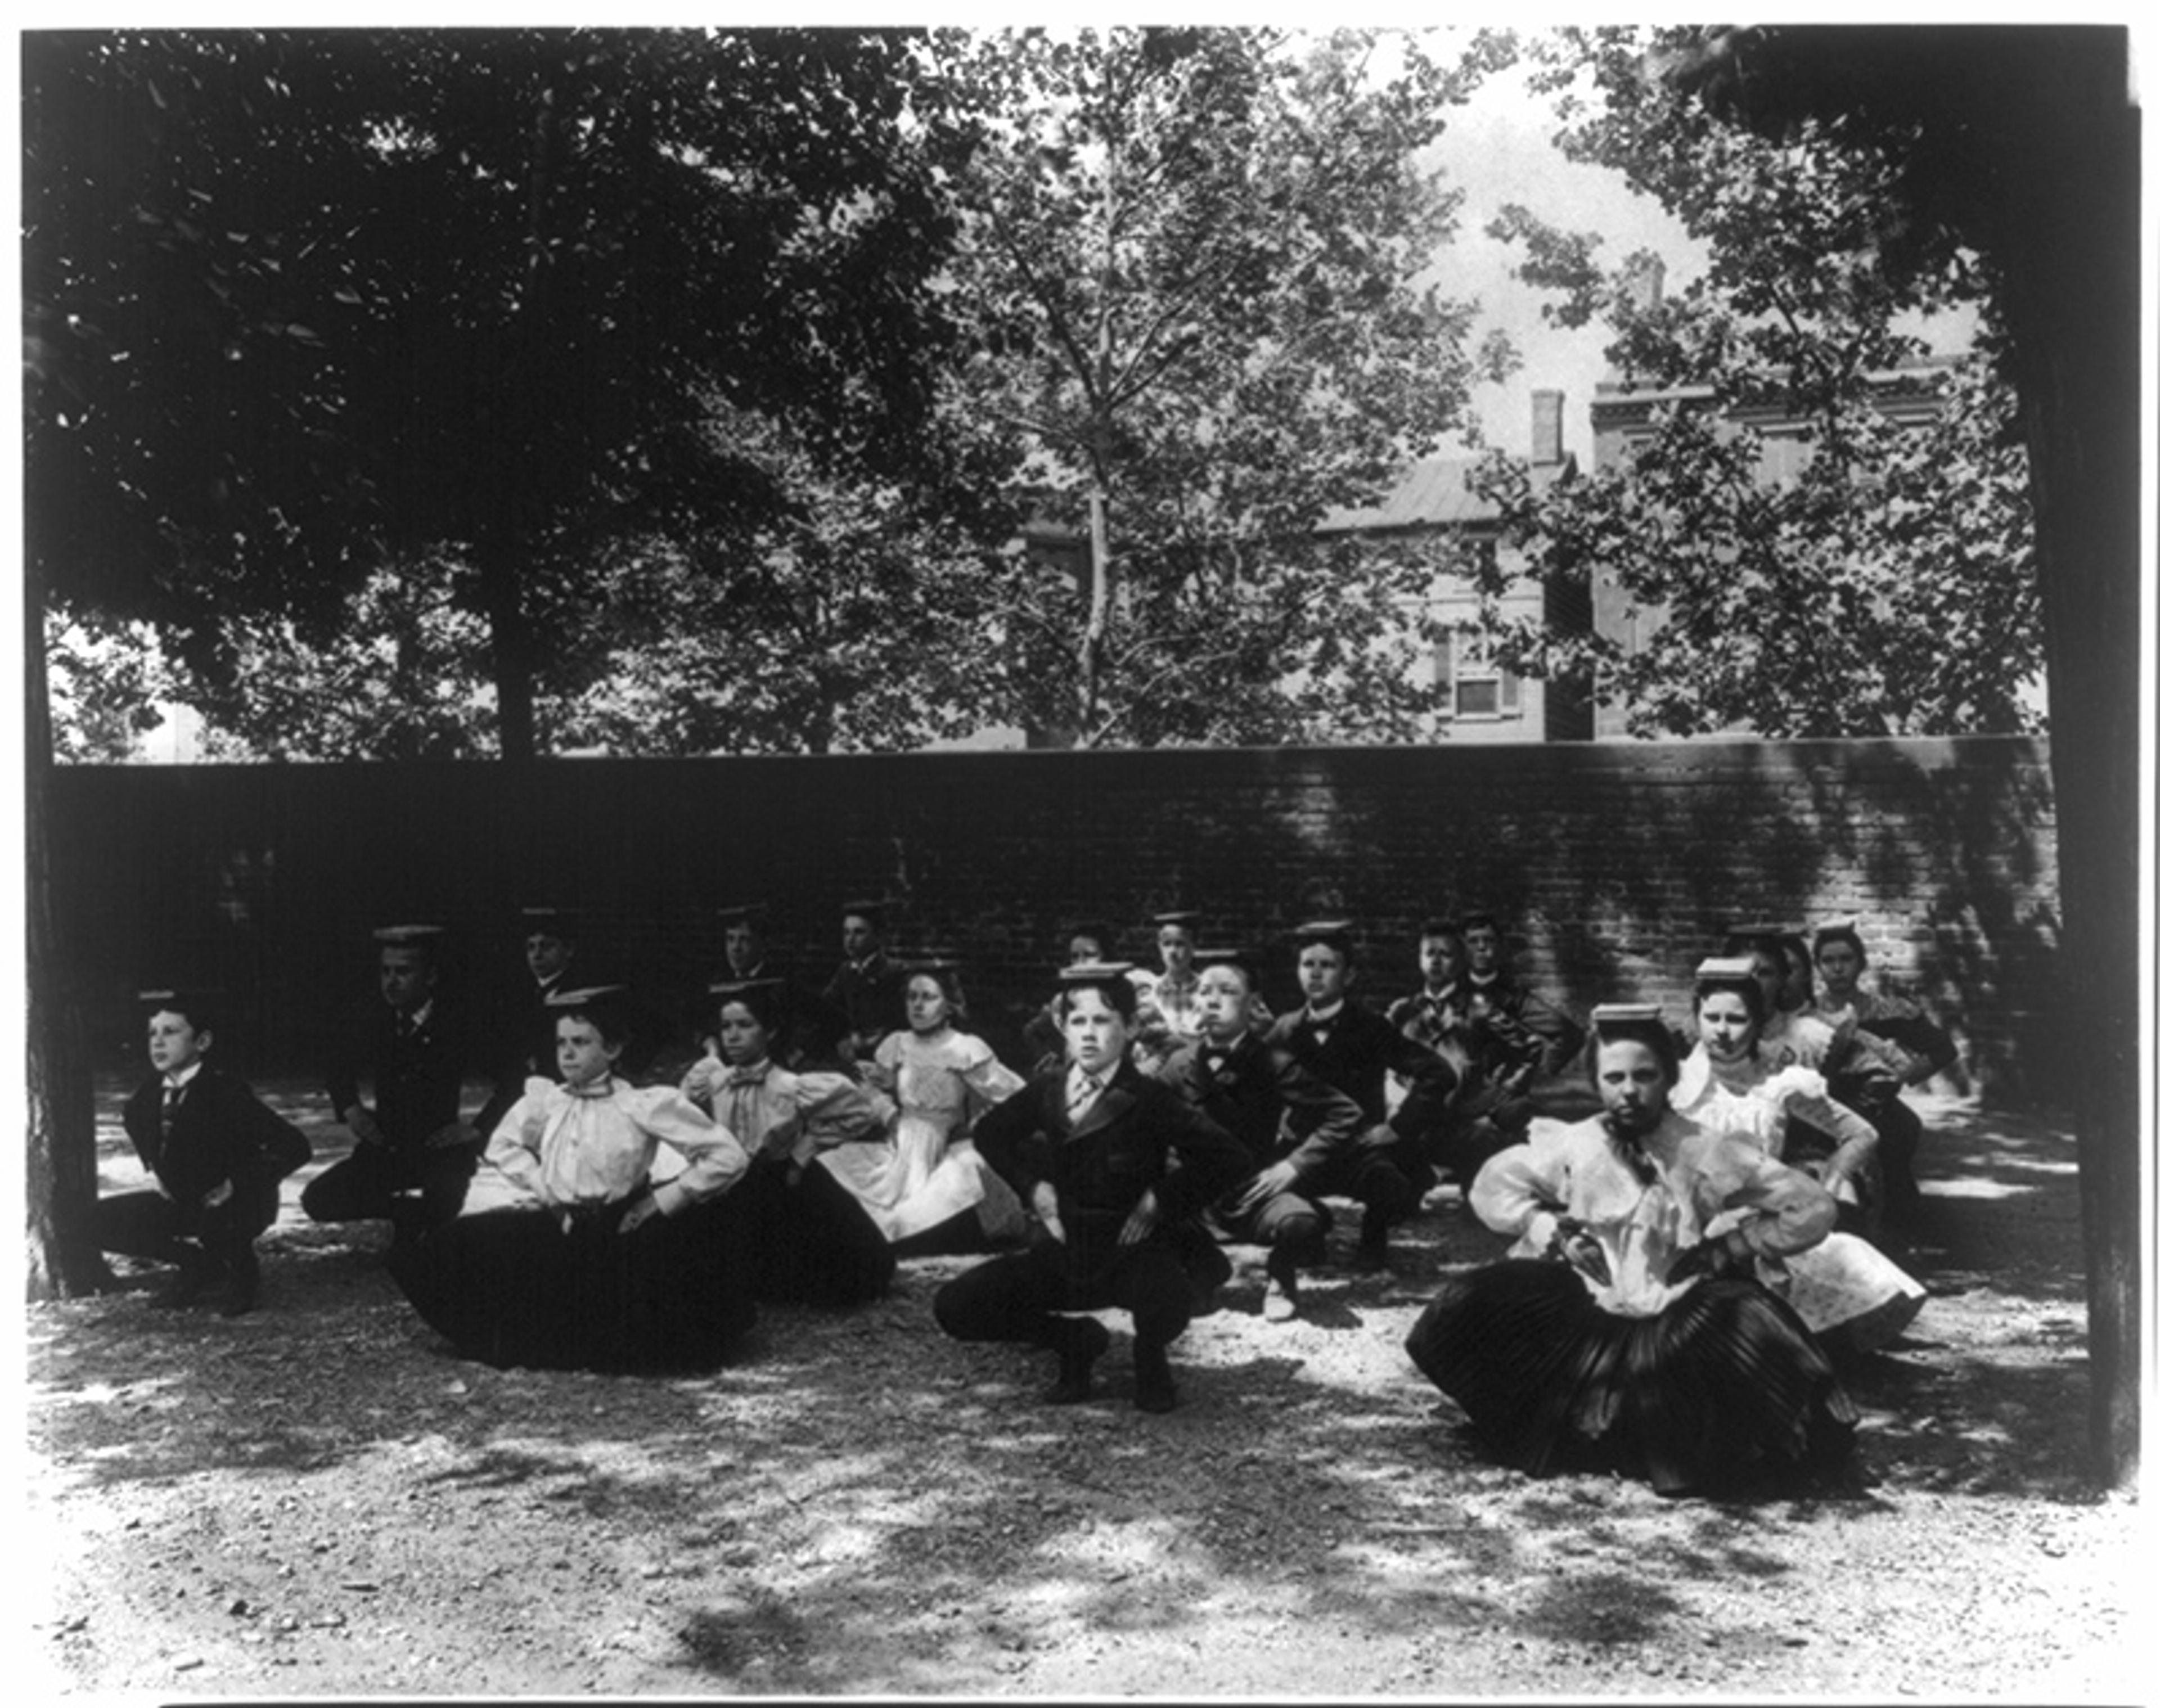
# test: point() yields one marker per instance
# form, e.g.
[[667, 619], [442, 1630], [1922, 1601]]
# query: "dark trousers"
[[807, 1241], [1017, 1298], [1288, 1222], [372, 1182], [1376, 1171], [149, 1225]]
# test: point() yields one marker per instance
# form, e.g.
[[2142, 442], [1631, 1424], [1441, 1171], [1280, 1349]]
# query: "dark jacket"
[[871, 998], [1359, 1050], [1123, 1146], [418, 1080], [1274, 1109], [1561, 1033], [222, 1131]]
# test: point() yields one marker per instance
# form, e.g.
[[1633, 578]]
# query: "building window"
[[1472, 686]]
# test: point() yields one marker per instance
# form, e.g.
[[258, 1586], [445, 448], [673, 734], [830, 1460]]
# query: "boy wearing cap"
[[811, 1029], [1298, 1134], [1088, 1149], [412, 1049], [1347, 1046], [215, 1155], [866, 988]]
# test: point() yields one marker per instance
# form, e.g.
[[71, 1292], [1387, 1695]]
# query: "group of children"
[[628, 1199]]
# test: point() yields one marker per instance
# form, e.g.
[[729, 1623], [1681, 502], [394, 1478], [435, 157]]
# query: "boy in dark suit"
[[412, 1048], [1088, 1149], [811, 1028], [1495, 1055], [1494, 985], [1300, 1135], [1335, 1038], [215, 1155], [866, 986]]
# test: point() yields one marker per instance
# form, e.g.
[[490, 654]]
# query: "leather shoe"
[[1281, 1301], [246, 1277], [1153, 1390], [1086, 1341]]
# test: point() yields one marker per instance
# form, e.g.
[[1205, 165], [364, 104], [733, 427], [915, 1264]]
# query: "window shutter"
[[1443, 671]]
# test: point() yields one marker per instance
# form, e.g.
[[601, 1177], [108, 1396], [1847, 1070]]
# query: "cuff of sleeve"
[[668, 1196], [1538, 1231]]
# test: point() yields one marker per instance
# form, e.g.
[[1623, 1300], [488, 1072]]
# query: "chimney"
[[1544, 428]]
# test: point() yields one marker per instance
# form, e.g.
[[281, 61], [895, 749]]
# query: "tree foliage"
[[302, 304], [1881, 582], [1195, 268]]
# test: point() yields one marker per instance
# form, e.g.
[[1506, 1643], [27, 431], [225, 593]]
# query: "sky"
[[1499, 149]]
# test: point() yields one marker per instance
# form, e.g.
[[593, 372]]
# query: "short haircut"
[[762, 1001], [1341, 939], [200, 1008], [1480, 919], [1841, 934], [609, 1019], [1654, 1036], [1748, 991], [1440, 928], [1117, 990]]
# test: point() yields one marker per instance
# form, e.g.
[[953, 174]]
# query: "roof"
[[1436, 493]]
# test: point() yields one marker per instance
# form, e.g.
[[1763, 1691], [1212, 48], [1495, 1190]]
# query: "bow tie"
[[749, 1076], [592, 1087]]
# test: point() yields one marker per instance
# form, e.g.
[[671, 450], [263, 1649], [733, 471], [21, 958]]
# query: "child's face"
[[928, 1008], [1095, 1032], [1482, 942], [1770, 978], [1083, 949], [546, 955], [1174, 943], [1726, 1029], [406, 976], [1224, 1003], [1440, 958], [1632, 1085], [745, 948], [858, 937], [744, 1039], [582, 1055], [1839, 963], [1324, 972], [175, 1044]]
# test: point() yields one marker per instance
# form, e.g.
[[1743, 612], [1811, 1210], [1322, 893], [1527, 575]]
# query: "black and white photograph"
[[1085, 859]]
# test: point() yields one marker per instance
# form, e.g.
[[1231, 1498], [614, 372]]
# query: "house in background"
[[1480, 702]]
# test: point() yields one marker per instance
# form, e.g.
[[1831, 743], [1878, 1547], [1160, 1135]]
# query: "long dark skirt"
[[1723, 1390], [807, 1241], [512, 1287]]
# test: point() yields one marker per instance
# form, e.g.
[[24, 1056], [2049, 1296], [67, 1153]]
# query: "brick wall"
[[1618, 864]]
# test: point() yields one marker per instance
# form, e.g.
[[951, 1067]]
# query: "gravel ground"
[[320, 1500]]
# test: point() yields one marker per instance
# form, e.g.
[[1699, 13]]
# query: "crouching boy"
[[215, 1154]]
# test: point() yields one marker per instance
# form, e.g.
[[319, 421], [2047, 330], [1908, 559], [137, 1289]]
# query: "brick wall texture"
[[1616, 865]]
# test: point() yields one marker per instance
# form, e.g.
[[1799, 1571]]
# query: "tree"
[[299, 306], [2016, 146], [1885, 586], [1192, 261], [302, 304]]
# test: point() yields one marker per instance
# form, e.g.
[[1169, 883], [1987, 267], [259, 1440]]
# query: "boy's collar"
[[179, 1081]]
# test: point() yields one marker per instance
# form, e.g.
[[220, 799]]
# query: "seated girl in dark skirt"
[[805, 1239], [570, 1253], [1627, 1330]]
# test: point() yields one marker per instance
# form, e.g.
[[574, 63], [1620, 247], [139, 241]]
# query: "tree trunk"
[[2071, 290], [60, 1163], [510, 640]]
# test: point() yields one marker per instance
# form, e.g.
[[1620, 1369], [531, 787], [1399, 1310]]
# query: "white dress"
[[928, 1170], [1845, 1283]]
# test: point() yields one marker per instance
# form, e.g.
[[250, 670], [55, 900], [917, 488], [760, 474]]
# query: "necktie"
[[1080, 1095], [167, 1109]]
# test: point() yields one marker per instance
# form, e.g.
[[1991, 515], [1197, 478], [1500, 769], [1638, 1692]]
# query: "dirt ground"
[[320, 1499]]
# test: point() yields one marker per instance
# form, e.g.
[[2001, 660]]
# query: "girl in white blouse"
[[1853, 1297], [926, 1186], [588, 1239], [1628, 1329], [805, 1239]]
